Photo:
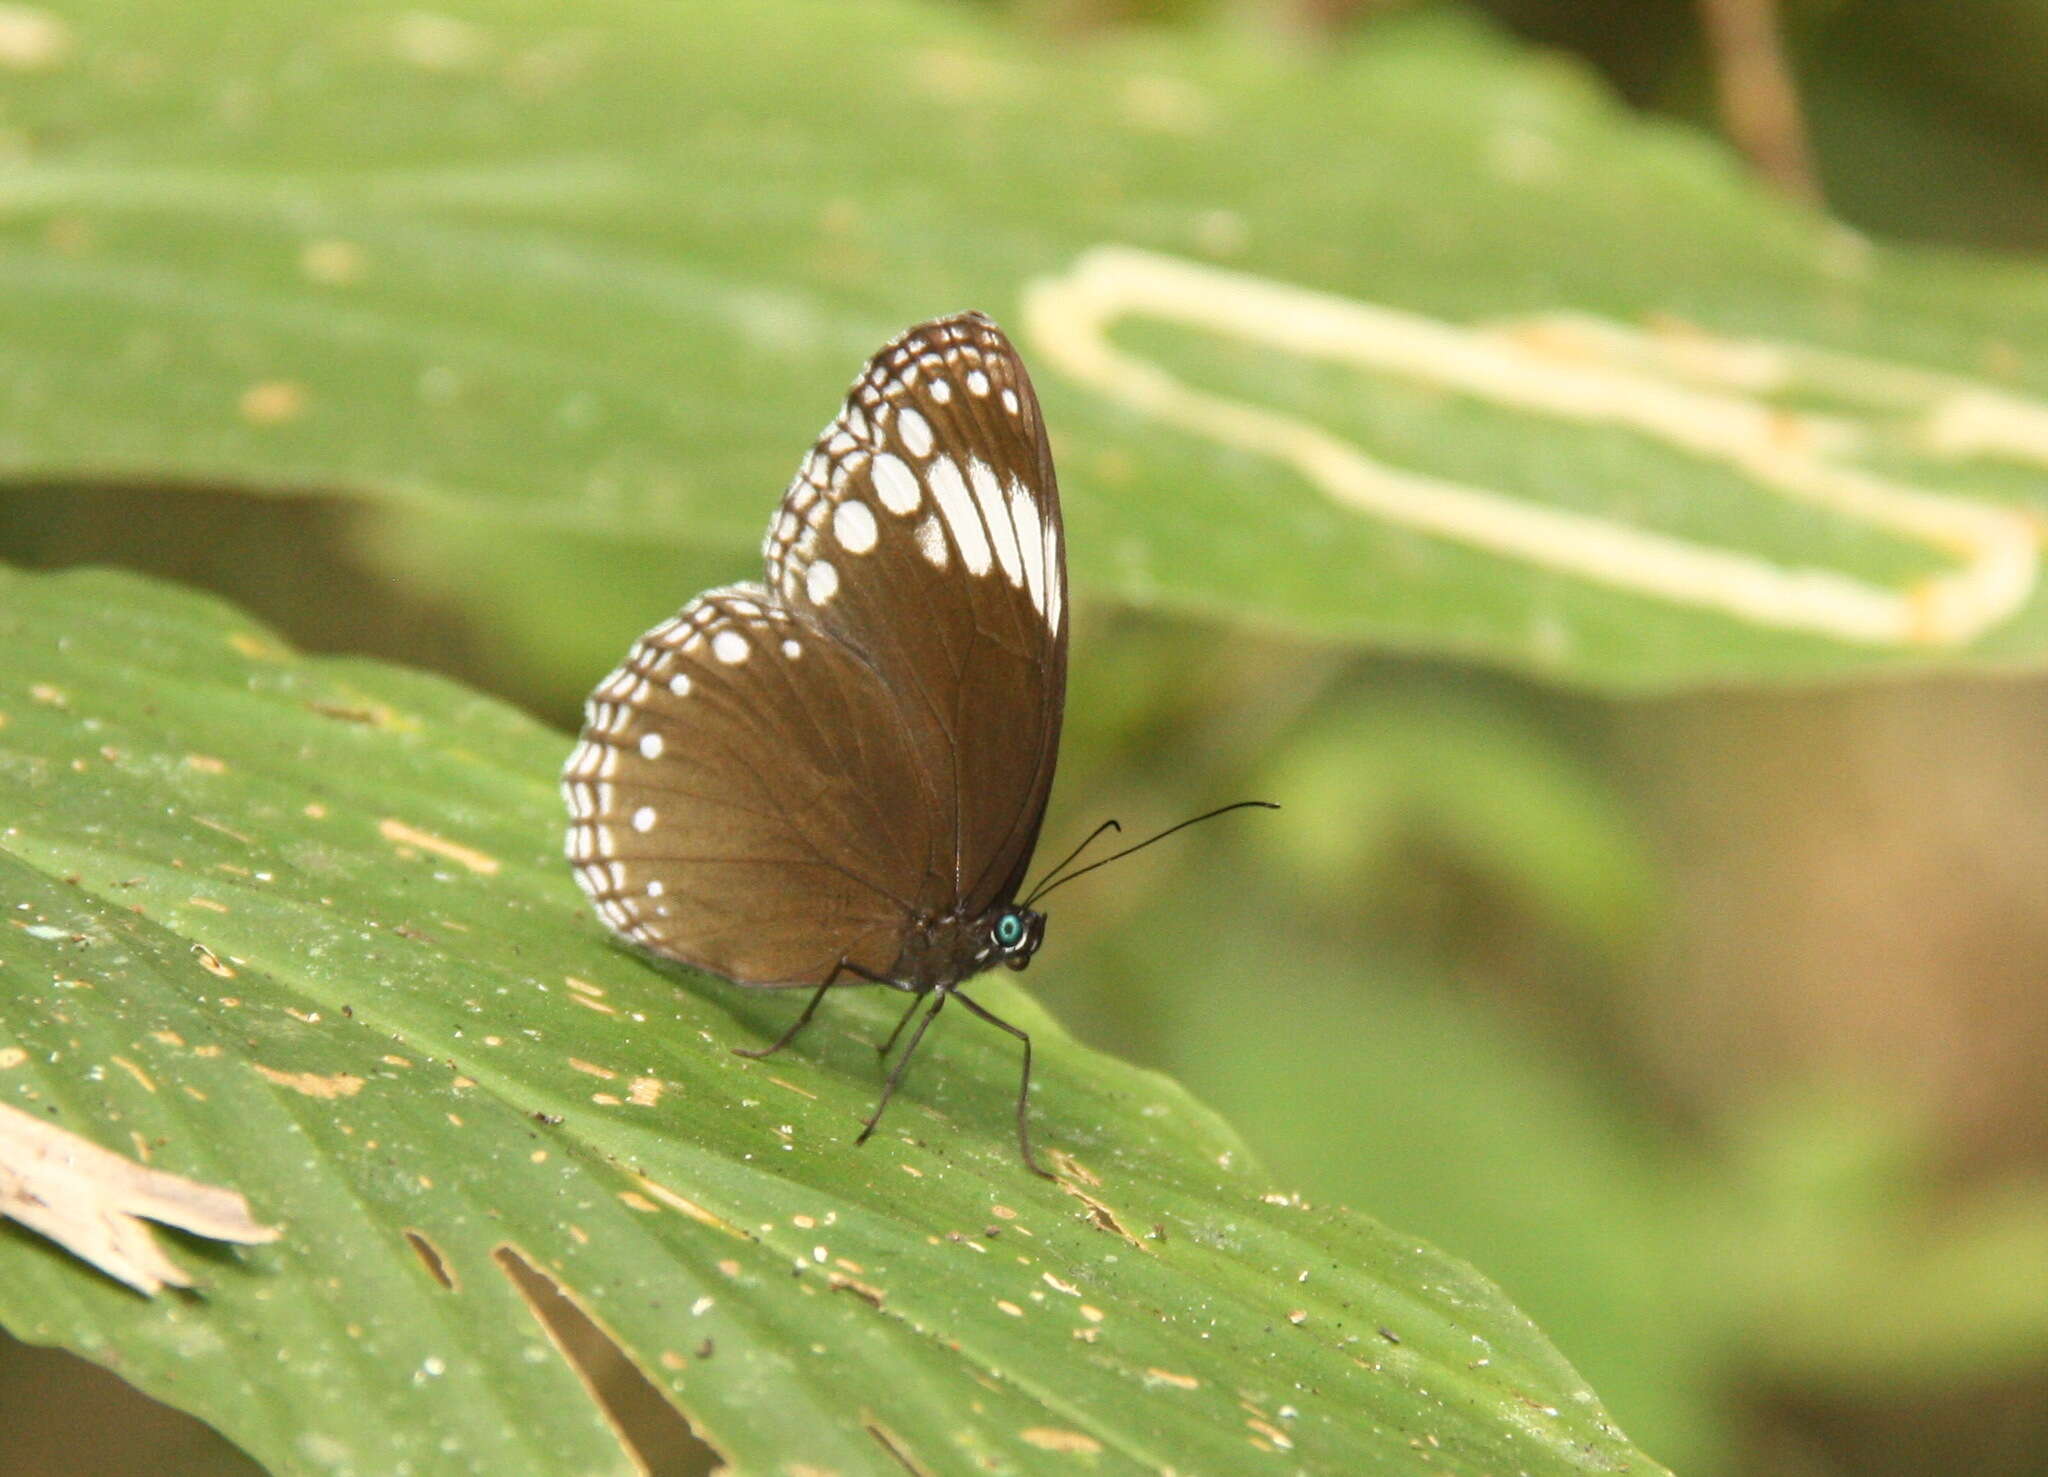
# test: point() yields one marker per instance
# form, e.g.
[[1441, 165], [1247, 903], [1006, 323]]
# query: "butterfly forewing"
[[784, 779], [924, 530]]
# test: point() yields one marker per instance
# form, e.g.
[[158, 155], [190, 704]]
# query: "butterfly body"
[[838, 776], [942, 952]]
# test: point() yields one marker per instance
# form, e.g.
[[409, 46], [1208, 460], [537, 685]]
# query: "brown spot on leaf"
[[657, 1435], [1073, 1169], [893, 1444], [369, 715], [866, 1292], [431, 1258], [1101, 1216]]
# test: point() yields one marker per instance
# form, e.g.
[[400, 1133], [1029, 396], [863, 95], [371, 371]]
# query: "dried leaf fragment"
[[92, 1202]]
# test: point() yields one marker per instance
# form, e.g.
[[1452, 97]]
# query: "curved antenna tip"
[[1053, 880]]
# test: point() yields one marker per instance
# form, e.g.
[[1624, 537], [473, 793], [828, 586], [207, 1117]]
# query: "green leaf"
[[300, 928], [1422, 343]]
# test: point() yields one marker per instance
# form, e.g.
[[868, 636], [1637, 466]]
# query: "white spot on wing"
[[1010, 402], [932, 540], [1055, 577], [989, 493], [958, 505], [1030, 544], [915, 430], [650, 746], [730, 647], [895, 484], [821, 582], [643, 819], [791, 650], [854, 526], [680, 684], [940, 391], [977, 382]]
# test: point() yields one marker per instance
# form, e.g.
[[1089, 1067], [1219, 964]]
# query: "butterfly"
[[837, 777]]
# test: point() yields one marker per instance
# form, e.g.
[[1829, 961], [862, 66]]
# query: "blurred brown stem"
[[1759, 100]]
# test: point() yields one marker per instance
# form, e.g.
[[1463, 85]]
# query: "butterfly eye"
[[1009, 930]]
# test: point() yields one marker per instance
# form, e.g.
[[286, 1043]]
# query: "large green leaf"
[[299, 927], [1494, 369]]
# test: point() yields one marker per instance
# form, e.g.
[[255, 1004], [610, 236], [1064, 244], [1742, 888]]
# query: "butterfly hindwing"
[[713, 817]]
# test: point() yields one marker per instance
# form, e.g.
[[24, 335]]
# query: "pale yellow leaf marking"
[[273, 402], [1271, 1432], [693, 1210], [1695, 395], [312, 1084], [477, 861], [32, 39], [1051, 1438]]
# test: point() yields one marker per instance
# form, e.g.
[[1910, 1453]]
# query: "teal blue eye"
[[1009, 930]]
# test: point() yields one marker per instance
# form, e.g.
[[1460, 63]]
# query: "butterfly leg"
[[1023, 1091], [882, 1051], [889, 1087], [844, 966]]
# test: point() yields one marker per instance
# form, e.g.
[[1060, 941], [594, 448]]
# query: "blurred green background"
[[1709, 1021]]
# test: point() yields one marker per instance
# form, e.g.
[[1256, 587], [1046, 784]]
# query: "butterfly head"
[[1014, 935]]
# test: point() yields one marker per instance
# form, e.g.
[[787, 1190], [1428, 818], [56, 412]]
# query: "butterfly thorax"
[[940, 952]]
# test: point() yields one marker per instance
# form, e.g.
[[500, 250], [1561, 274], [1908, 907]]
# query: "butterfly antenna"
[[1047, 886], [1046, 880]]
